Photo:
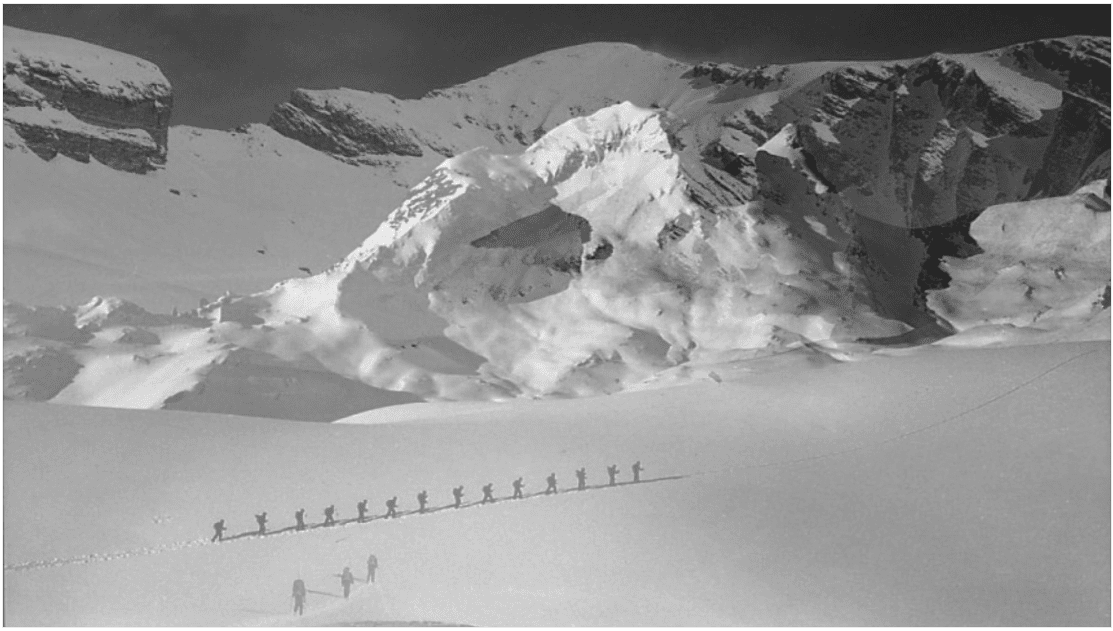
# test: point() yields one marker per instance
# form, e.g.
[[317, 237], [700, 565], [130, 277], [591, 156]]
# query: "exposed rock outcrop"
[[344, 123], [62, 96]]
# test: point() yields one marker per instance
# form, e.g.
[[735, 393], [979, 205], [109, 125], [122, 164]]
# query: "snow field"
[[999, 516]]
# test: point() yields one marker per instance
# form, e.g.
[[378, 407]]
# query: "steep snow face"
[[66, 96], [1045, 267]]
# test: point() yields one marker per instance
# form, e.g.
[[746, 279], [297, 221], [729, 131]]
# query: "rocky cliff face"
[[83, 101]]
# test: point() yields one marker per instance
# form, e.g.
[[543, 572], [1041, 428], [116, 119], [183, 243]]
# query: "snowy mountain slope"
[[985, 470], [747, 210], [232, 211], [582, 266]]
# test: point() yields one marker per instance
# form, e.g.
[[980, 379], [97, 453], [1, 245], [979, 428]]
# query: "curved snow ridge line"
[[292, 530], [103, 556], [902, 436]]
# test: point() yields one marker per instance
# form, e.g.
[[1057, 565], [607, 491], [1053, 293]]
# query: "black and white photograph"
[[508, 315]]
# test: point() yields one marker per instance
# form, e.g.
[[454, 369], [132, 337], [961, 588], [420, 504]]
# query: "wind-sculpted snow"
[[1045, 267]]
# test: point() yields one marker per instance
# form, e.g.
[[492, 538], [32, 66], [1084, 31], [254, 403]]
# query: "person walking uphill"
[[329, 512], [391, 507], [346, 580], [422, 500], [488, 493], [219, 529], [458, 495], [637, 469], [518, 484], [613, 472], [372, 565], [581, 476], [361, 508], [299, 516], [552, 488], [262, 519], [299, 597]]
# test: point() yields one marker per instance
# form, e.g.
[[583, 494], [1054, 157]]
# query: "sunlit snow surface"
[[974, 492]]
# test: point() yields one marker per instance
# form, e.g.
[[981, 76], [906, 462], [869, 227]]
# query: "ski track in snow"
[[292, 530]]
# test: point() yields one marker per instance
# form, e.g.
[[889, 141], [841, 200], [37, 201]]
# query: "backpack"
[[299, 588]]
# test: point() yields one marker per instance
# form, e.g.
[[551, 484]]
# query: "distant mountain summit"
[[596, 215]]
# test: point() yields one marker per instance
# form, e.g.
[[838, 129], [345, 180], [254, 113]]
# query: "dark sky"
[[230, 64]]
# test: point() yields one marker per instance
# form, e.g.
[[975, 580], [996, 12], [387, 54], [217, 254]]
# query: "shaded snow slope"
[[987, 471], [230, 212]]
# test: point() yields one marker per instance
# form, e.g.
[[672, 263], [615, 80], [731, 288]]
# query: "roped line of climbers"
[[219, 528], [43, 564]]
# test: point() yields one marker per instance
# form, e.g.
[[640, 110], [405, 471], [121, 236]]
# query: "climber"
[[552, 488], [219, 528], [299, 597], [329, 512], [581, 475], [518, 484], [458, 494], [262, 519], [361, 507], [637, 469], [372, 565], [346, 580], [422, 499], [612, 471], [299, 516], [488, 493], [391, 506]]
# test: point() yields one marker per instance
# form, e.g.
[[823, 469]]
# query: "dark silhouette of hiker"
[[391, 507], [552, 488], [458, 494], [219, 528], [299, 597], [346, 580], [372, 565], [613, 472], [518, 484], [329, 512], [581, 476], [361, 507], [299, 516], [422, 500], [262, 519], [637, 469], [488, 493]]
